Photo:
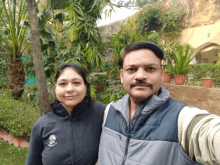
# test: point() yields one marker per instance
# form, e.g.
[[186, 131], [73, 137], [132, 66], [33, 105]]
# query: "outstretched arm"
[[199, 135]]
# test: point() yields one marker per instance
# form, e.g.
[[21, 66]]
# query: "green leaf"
[[44, 47], [46, 36], [60, 17]]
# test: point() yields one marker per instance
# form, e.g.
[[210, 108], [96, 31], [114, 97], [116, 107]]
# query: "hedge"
[[205, 70], [17, 117]]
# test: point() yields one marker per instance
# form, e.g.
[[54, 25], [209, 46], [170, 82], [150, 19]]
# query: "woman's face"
[[70, 88]]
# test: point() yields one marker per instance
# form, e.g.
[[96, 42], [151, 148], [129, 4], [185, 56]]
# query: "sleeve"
[[35, 148], [199, 135]]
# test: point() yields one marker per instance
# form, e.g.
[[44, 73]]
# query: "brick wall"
[[203, 98]]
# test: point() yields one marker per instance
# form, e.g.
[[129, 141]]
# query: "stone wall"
[[203, 98], [111, 28], [201, 12], [200, 24]]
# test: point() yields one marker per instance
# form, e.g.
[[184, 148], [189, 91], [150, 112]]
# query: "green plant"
[[218, 63], [3, 82], [14, 39], [171, 21], [30, 93], [17, 117], [201, 70], [167, 71], [127, 35], [168, 68], [169, 46], [162, 18], [114, 91], [182, 57], [110, 79], [81, 34], [207, 74]]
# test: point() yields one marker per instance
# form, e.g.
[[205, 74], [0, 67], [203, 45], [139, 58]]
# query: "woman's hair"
[[78, 70]]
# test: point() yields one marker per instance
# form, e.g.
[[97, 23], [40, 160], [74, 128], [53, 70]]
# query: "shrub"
[[218, 63], [16, 116], [162, 18], [205, 70], [3, 82]]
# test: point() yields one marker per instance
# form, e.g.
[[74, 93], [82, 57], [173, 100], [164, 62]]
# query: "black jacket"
[[61, 138]]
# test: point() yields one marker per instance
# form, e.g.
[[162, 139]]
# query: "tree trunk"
[[16, 76], [37, 57]]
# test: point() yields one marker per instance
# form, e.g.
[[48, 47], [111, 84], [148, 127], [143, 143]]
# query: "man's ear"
[[121, 76], [162, 74]]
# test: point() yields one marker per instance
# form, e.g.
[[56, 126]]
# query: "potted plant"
[[207, 80], [182, 58], [166, 75]]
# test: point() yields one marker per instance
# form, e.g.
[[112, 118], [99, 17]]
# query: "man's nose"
[[141, 74]]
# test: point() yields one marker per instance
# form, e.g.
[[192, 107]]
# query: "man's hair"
[[141, 45]]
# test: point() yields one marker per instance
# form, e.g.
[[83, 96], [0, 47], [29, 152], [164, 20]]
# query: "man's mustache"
[[138, 82]]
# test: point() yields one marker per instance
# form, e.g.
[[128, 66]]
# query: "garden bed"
[[17, 117]]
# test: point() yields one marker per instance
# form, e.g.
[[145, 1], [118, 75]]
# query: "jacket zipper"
[[71, 134], [127, 144]]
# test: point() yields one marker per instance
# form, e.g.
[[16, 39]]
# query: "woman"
[[70, 133]]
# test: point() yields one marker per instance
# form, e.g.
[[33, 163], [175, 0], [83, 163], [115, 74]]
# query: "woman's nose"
[[70, 88]]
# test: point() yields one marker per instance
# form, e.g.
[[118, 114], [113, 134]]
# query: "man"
[[147, 127]]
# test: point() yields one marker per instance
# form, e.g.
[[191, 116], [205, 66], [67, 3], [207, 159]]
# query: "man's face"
[[141, 74]]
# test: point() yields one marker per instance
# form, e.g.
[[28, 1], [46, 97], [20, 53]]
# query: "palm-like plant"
[[182, 57], [13, 30], [81, 42]]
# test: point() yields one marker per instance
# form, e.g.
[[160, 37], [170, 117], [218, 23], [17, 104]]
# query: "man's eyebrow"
[[71, 79], [146, 64], [150, 64]]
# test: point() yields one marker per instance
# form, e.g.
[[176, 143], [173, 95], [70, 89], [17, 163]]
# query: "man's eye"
[[131, 69], [62, 84], [151, 68]]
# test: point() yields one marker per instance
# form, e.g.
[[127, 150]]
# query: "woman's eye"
[[77, 83], [62, 84]]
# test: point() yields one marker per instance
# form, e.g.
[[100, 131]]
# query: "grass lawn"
[[11, 155]]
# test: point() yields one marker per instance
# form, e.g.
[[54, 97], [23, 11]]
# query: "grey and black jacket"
[[61, 138], [150, 138]]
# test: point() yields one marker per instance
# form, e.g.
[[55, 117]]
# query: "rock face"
[[203, 98], [5, 136], [202, 26], [201, 12]]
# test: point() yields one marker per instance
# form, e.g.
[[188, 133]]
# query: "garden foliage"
[[14, 39], [182, 57], [205, 70], [16, 116], [160, 17], [79, 38]]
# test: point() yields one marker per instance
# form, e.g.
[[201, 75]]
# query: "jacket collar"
[[77, 111], [146, 106]]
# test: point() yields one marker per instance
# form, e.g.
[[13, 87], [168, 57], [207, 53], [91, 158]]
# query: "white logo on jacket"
[[52, 139]]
